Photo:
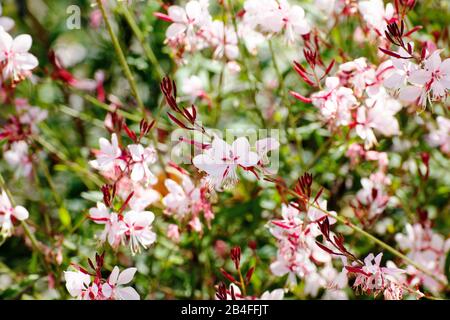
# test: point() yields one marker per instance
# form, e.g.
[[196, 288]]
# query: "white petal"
[[138, 172], [114, 276], [126, 276], [175, 29], [409, 93], [177, 14], [20, 213], [128, 293], [22, 43]]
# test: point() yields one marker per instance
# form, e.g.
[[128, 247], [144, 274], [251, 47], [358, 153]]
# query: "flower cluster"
[[85, 285]]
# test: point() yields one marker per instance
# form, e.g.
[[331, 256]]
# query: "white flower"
[[376, 16], [76, 282], [114, 227], [193, 87], [113, 287], [402, 68], [221, 160], [142, 157], [428, 249], [17, 157], [181, 198], [440, 136], [379, 114], [223, 39], [17, 62], [185, 19], [109, 155], [139, 229], [432, 81], [275, 16], [335, 102], [8, 212]]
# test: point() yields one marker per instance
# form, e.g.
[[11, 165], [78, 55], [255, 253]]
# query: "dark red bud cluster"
[[236, 256], [169, 89], [221, 291], [109, 192]]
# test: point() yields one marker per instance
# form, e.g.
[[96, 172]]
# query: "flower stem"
[[141, 38], [122, 60]]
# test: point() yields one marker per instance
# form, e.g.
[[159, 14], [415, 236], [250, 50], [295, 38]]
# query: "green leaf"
[[64, 217]]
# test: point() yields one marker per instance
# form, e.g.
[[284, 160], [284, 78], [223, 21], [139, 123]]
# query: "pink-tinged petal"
[[389, 13], [175, 29], [113, 277], [433, 62], [127, 293], [6, 23], [177, 14], [220, 149], [138, 172], [22, 43], [126, 276], [278, 268], [409, 93], [438, 89], [420, 77], [211, 166], [6, 41], [27, 61], [378, 259], [396, 80], [194, 10], [240, 147], [265, 145], [106, 290], [147, 237], [445, 66], [20, 213], [136, 151]]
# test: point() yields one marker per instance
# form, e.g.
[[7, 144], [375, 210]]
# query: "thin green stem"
[[73, 165], [282, 86], [148, 51], [122, 59], [107, 107]]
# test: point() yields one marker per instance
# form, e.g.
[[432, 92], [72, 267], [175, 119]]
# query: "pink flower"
[[431, 81], [18, 158], [77, 282], [376, 15], [185, 19], [14, 57], [221, 160], [173, 232], [114, 227], [440, 136], [275, 16], [335, 102], [142, 157], [8, 213], [113, 289], [428, 249], [139, 229], [372, 278], [109, 155]]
